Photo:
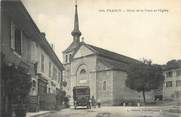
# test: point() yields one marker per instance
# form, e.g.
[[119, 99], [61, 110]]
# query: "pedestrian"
[[90, 102], [93, 102], [124, 103], [99, 103], [138, 104]]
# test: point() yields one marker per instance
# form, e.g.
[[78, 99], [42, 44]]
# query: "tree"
[[144, 77], [173, 64], [60, 97], [17, 87], [66, 101]]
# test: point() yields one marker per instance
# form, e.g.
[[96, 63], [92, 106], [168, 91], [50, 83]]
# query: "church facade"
[[100, 69]]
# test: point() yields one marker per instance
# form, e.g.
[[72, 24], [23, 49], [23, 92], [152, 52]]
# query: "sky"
[[139, 29]]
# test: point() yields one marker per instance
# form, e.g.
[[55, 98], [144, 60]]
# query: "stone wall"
[[105, 95], [67, 78], [118, 86], [124, 93]]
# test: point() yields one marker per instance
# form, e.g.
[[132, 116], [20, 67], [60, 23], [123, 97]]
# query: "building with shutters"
[[26, 52], [172, 81]]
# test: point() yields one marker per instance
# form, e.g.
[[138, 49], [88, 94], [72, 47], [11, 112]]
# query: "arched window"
[[66, 58], [70, 57], [34, 83], [82, 77], [82, 71], [104, 85]]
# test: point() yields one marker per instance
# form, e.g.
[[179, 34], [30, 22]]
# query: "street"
[[113, 112]]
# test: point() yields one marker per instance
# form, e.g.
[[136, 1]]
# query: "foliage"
[[20, 110], [173, 64], [17, 83], [18, 86], [144, 76], [60, 97], [66, 101]]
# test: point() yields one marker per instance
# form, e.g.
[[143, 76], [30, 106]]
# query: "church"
[[100, 69]]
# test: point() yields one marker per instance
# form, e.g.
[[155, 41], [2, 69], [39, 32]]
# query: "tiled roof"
[[112, 64], [173, 64], [112, 55], [110, 59], [72, 46]]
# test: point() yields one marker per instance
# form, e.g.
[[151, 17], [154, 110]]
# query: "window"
[[59, 77], [35, 67], [178, 73], [169, 74], [104, 85], [66, 58], [50, 69], [169, 84], [18, 41], [12, 35], [70, 57], [178, 83], [178, 94], [82, 71], [42, 63], [34, 83], [16, 38], [54, 73]]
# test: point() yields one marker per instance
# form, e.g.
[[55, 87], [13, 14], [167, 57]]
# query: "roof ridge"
[[110, 52]]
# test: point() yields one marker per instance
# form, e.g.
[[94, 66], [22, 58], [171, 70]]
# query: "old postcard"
[[90, 58]]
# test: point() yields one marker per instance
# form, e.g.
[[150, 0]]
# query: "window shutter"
[[12, 35], [21, 49]]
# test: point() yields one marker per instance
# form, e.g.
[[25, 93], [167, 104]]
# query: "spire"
[[76, 32]]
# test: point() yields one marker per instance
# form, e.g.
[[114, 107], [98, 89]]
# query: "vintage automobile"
[[81, 96]]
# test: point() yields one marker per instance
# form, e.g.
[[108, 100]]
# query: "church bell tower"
[[67, 54], [76, 32]]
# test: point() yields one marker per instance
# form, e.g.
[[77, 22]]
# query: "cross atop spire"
[[75, 2], [76, 32]]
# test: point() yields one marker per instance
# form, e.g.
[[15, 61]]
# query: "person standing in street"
[[99, 103], [90, 103], [93, 102]]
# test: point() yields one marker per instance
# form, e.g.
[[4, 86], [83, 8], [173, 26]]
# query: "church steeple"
[[76, 32]]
